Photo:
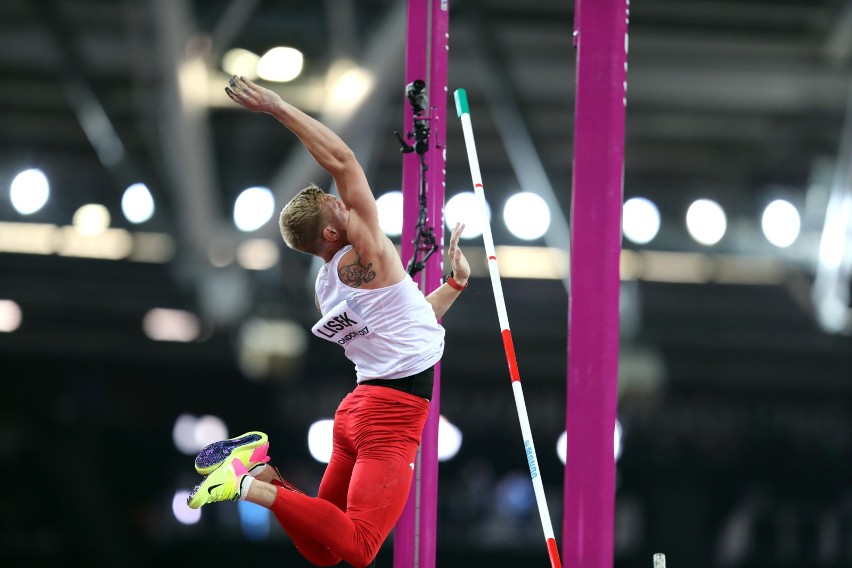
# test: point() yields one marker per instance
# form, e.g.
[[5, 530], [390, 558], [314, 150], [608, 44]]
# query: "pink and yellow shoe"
[[251, 448], [224, 484]]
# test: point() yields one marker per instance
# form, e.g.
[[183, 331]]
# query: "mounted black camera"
[[425, 242], [418, 99], [419, 103]]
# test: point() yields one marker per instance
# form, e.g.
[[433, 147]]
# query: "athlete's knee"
[[363, 553], [362, 559], [317, 554]]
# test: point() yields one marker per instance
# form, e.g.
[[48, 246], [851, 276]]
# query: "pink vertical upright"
[[601, 41], [426, 60]]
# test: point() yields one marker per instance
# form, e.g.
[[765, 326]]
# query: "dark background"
[[734, 401]]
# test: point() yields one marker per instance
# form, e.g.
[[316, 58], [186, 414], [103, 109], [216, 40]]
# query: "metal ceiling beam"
[[838, 45], [87, 107], [230, 23], [382, 57], [224, 295], [183, 128], [741, 13], [340, 15], [830, 292], [493, 79]]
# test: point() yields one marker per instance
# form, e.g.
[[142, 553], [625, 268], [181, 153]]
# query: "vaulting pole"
[[601, 41], [463, 111], [426, 60]]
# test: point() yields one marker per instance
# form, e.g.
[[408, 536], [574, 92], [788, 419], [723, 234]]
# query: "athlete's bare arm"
[[443, 296], [332, 153]]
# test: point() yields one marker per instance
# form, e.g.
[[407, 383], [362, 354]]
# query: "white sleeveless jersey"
[[389, 333]]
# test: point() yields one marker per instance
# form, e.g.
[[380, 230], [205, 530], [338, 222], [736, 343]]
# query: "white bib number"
[[341, 325]]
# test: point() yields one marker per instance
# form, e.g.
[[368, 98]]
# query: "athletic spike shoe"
[[222, 485], [251, 447]]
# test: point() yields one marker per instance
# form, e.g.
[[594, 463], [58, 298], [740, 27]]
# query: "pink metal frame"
[[426, 59], [601, 41]]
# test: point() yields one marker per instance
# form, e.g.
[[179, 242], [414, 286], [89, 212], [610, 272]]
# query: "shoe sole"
[[215, 454]]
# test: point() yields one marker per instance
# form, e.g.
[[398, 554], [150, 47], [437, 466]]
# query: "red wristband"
[[452, 282]]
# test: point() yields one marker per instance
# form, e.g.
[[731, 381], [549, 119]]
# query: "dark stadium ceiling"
[[740, 101]]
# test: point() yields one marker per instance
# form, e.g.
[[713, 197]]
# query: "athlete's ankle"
[[261, 493]]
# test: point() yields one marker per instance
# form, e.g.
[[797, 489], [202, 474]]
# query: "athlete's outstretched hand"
[[461, 268], [251, 95]]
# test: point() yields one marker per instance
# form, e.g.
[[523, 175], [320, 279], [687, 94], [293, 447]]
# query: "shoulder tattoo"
[[356, 273]]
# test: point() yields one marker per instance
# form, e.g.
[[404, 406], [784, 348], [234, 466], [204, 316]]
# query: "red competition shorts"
[[365, 487]]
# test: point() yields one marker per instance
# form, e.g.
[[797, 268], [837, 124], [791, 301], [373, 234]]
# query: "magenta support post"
[[601, 41], [426, 59]]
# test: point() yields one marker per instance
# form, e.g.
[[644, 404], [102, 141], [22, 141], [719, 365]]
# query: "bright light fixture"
[[137, 204], [241, 62], [253, 208], [527, 216], [562, 443], [163, 324], [285, 338], [191, 434], [319, 439], [706, 222], [349, 86], [781, 223], [280, 64], [464, 208], [10, 316], [641, 220], [209, 429], [390, 213], [257, 254], [449, 439], [183, 434], [29, 191], [183, 514], [91, 220]]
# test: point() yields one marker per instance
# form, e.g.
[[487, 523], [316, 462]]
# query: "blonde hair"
[[301, 220]]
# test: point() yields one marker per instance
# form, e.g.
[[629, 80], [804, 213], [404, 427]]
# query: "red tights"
[[365, 486]]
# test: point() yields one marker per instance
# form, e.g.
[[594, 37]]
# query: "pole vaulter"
[[598, 172], [423, 170], [529, 447]]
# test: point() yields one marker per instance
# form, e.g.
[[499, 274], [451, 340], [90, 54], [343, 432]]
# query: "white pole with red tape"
[[464, 114]]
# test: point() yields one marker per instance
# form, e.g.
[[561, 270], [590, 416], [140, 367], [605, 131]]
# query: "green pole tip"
[[461, 102]]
